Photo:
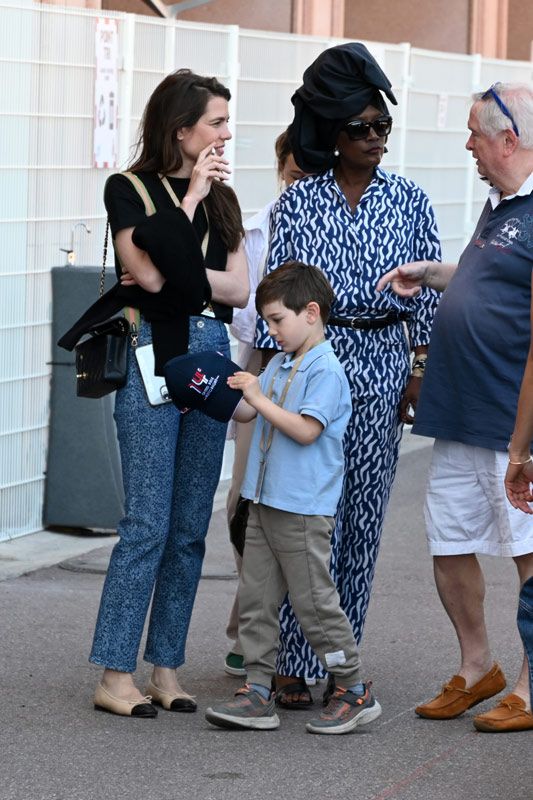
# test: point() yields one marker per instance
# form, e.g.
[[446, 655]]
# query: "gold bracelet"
[[521, 463]]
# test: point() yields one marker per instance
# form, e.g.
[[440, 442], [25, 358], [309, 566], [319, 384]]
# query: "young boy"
[[294, 477]]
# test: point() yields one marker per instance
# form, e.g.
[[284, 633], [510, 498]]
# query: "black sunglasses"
[[491, 92], [356, 129]]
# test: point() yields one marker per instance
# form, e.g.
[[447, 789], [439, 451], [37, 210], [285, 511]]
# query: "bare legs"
[[461, 588]]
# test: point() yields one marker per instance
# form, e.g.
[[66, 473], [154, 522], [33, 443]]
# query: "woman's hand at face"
[[208, 168]]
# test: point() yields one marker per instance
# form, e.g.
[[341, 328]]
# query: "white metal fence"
[[47, 66]]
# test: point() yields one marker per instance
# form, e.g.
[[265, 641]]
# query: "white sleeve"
[[245, 319]]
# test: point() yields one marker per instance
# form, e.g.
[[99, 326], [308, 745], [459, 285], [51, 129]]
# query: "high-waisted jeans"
[[170, 466], [525, 626]]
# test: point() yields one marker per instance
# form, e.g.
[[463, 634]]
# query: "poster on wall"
[[105, 94]]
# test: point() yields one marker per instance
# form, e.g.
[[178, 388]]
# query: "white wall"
[[48, 182]]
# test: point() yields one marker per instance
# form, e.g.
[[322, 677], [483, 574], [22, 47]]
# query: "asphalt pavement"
[[55, 746]]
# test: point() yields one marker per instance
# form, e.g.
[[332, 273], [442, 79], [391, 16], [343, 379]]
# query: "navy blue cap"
[[199, 381]]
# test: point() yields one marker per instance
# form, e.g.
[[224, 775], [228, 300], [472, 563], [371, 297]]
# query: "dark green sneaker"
[[345, 711], [249, 711], [234, 665]]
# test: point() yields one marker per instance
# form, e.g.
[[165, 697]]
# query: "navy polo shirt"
[[481, 333]]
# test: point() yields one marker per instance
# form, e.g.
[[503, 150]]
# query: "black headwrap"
[[341, 82]]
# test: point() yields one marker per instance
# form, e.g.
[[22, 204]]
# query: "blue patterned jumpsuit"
[[392, 224]]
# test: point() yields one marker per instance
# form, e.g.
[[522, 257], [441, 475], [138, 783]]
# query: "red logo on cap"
[[199, 381]]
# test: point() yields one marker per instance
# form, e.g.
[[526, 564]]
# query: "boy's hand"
[[303, 428], [248, 384]]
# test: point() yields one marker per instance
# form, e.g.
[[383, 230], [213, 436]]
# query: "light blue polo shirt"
[[303, 479]]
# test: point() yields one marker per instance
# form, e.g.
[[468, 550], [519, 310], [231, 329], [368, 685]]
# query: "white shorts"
[[466, 508]]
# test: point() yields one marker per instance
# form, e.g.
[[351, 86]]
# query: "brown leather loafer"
[[172, 701], [455, 698], [105, 701], [509, 715]]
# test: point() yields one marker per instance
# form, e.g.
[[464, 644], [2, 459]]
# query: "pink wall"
[[273, 15], [431, 24], [520, 31]]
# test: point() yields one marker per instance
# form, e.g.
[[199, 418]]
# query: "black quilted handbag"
[[102, 359]]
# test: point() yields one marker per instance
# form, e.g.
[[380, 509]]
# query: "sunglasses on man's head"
[[356, 129], [491, 92]]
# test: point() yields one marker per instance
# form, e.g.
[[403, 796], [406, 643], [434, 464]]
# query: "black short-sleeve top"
[[125, 209]]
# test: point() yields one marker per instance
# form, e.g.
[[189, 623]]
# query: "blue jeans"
[[525, 626], [170, 467]]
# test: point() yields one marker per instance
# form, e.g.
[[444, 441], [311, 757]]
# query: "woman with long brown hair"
[[170, 461]]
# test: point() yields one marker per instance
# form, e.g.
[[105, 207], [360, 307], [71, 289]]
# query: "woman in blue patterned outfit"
[[355, 221]]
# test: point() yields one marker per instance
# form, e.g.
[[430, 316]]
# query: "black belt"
[[369, 323]]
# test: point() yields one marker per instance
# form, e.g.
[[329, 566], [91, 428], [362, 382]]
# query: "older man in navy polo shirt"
[[478, 349]]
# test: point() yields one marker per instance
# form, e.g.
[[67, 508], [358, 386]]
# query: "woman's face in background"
[[290, 171]]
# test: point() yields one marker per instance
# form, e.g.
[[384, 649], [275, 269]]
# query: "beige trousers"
[[291, 552]]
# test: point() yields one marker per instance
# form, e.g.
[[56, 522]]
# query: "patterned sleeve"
[[279, 252], [427, 247]]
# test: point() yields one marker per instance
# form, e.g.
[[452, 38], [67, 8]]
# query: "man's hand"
[[407, 280], [517, 483]]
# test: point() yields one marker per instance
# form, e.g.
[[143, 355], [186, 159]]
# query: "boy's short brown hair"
[[295, 285]]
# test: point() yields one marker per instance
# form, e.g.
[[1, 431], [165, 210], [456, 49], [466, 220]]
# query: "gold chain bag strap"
[[102, 357]]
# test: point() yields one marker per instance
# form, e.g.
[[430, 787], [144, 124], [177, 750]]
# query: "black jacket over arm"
[[171, 242]]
